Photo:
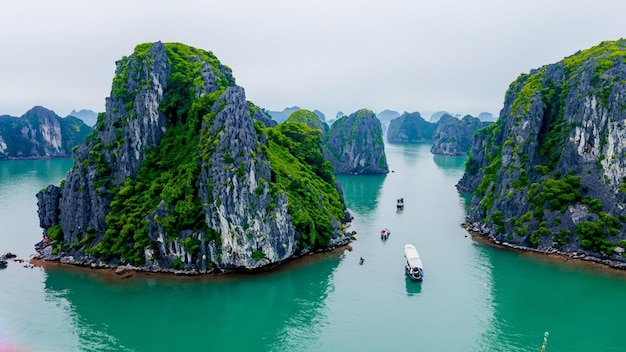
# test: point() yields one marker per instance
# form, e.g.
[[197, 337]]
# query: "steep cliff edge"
[[410, 128], [354, 145], [40, 133], [453, 136], [183, 173], [550, 172]]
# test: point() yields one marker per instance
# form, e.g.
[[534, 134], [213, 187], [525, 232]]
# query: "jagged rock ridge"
[[453, 136], [354, 144], [40, 133], [449, 135], [550, 172], [183, 173], [410, 128]]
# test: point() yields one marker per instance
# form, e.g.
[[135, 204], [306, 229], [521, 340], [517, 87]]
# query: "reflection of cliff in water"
[[466, 200], [189, 314], [448, 162], [361, 192], [26, 170], [530, 289], [412, 151], [454, 166]]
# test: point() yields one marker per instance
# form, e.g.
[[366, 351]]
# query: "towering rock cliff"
[[182, 172], [354, 145], [40, 133], [410, 128], [453, 136], [551, 171]]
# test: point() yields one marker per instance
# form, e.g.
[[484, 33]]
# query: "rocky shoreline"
[[45, 258], [124, 271], [5, 258], [613, 263]]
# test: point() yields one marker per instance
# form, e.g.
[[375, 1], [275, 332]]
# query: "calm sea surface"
[[473, 298]]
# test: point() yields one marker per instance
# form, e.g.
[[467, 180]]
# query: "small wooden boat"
[[384, 234], [414, 268]]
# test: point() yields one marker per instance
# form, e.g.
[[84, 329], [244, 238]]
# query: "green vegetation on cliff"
[[299, 169], [410, 128], [539, 173], [167, 184], [169, 172], [354, 144], [310, 118]]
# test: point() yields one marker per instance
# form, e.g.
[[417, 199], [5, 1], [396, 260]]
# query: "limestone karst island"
[[550, 173], [182, 173]]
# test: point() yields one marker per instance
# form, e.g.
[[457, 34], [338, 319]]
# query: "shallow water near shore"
[[474, 297]]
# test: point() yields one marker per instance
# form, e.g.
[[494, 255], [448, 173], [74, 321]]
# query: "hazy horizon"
[[331, 56]]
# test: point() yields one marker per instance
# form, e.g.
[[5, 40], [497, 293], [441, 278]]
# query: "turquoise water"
[[473, 298]]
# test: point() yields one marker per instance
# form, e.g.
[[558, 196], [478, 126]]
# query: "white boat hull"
[[414, 268]]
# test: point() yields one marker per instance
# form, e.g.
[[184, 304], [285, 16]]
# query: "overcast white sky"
[[330, 55]]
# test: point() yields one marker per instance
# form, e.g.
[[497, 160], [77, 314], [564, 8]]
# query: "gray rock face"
[[40, 133], [453, 136], [246, 225], [354, 145], [410, 128], [139, 123], [243, 231], [550, 171], [44, 130], [48, 202]]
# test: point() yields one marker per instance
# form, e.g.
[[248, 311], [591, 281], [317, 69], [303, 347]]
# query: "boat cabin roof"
[[412, 257]]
